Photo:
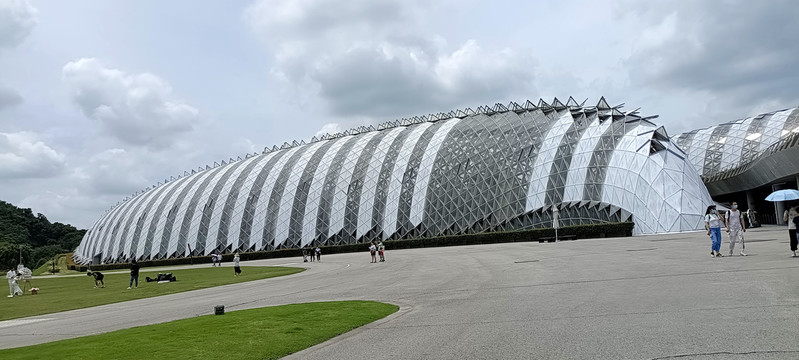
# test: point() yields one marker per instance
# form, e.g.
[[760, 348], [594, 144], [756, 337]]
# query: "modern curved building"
[[494, 169], [746, 159]]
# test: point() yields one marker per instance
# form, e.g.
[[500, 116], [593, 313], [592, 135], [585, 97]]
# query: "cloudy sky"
[[99, 99]]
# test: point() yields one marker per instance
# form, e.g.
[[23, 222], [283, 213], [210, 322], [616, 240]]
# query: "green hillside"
[[37, 237]]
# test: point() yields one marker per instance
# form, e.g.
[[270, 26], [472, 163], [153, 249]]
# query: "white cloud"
[[135, 108], [113, 171], [371, 58], [24, 155], [329, 128], [17, 20], [740, 53]]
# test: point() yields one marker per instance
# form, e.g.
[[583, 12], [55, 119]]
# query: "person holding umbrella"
[[788, 216], [713, 225]]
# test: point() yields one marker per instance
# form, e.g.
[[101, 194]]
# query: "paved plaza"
[[646, 297]]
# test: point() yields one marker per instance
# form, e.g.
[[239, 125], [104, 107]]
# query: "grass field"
[[76, 292], [265, 333]]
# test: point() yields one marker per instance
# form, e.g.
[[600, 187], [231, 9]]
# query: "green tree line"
[[38, 238]]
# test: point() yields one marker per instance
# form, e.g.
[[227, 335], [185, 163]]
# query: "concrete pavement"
[[647, 297]]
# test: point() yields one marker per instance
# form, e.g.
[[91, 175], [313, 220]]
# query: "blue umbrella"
[[783, 195]]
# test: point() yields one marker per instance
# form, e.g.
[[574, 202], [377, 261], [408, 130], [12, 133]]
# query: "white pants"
[[14, 289], [735, 236]]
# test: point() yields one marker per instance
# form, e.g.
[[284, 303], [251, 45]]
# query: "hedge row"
[[576, 231]]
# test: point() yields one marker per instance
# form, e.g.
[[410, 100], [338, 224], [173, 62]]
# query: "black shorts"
[[237, 269]]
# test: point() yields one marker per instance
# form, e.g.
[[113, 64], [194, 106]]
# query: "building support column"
[[750, 200]]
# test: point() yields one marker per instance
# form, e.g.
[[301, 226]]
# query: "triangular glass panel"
[[602, 104]]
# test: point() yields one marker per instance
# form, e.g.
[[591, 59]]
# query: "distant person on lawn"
[[98, 278], [381, 250], [134, 273], [236, 267], [372, 251], [13, 288]]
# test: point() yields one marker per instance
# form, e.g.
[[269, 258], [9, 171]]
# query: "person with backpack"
[[736, 228], [713, 225]]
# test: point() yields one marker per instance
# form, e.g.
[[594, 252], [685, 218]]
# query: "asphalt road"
[[647, 297]]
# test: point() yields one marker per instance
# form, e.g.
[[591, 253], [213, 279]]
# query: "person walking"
[[318, 254], [736, 228], [380, 250], [311, 253], [372, 251], [713, 226], [236, 267], [13, 288], [788, 216], [213, 260], [134, 273]]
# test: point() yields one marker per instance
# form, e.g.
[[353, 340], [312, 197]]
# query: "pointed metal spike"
[[602, 104], [542, 103], [558, 105]]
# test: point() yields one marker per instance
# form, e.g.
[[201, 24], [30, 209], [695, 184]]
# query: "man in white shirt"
[[735, 228]]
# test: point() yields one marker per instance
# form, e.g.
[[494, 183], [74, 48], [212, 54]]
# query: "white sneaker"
[[10, 295], [128, 287], [743, 253]]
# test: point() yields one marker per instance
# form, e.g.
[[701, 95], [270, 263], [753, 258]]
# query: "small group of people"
[[216, 260], [15, 276], [376, 248], [733, 222], [312, 253], [736, 227]]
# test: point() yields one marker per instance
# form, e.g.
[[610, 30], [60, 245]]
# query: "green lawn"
[[68, 292], [265, 333]]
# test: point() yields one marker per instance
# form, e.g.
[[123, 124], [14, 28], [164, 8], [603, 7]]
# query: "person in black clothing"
[[98, 278], [134, 273]]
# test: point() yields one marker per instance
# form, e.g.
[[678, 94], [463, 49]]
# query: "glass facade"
[[498, 168], [731, 145]]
